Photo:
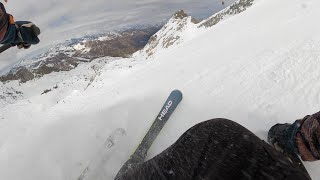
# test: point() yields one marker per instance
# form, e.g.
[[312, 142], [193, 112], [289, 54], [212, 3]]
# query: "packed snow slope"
[[257, 68]]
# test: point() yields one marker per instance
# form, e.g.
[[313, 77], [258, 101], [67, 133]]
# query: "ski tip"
[[177, 93]]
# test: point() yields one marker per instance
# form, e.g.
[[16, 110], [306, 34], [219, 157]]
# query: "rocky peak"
[[170, 34], [180, 15]]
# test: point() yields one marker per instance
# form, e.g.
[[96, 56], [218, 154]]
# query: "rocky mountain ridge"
[[181, 27], [236, 8], [67, 56]]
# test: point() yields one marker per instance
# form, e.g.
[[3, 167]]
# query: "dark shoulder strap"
[[5, 47]]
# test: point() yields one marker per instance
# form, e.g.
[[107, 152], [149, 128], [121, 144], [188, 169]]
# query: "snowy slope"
[[258, 68]]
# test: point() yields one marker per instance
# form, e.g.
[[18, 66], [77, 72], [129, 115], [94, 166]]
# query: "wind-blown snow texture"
[[258, 68]]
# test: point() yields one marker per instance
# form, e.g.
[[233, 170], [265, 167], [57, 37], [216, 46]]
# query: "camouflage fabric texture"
[[308, 137]]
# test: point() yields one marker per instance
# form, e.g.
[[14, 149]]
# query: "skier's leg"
[[218, 149]]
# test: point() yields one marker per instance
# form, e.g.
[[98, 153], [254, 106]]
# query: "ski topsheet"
[[140, 153]]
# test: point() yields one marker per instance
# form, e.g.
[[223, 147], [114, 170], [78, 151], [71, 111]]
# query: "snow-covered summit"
[[172, 33]]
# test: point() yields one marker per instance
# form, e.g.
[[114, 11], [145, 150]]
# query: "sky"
[[60, 20]]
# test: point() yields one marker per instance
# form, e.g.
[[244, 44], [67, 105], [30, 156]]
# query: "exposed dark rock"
[[180, 14], [236, 8], [20, 73], [60, 62], [65, 58], [170, 41], [194, 21], [10, 94], [46, 91], [123, 46]]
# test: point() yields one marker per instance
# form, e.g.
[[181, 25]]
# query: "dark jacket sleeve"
[[7, 30]]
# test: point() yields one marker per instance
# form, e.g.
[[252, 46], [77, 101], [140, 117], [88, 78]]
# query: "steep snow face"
[[172, 33], [258, 68]]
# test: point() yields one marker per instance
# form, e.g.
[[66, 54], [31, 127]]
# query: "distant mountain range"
[[66, 56]]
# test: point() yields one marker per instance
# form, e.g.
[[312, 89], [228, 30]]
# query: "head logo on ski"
[[165, 111]]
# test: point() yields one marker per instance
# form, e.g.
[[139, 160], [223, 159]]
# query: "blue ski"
[[140, 153]]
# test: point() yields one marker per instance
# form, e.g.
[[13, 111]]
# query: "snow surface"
[[258, 68]]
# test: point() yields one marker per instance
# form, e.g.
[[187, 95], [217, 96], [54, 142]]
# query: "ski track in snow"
[[102, 156], [256, 68]]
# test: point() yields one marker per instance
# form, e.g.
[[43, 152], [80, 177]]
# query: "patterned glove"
[[308, 138]]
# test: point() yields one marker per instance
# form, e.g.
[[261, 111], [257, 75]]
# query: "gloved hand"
[[308, 138], [302, 137], [27, 34]]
